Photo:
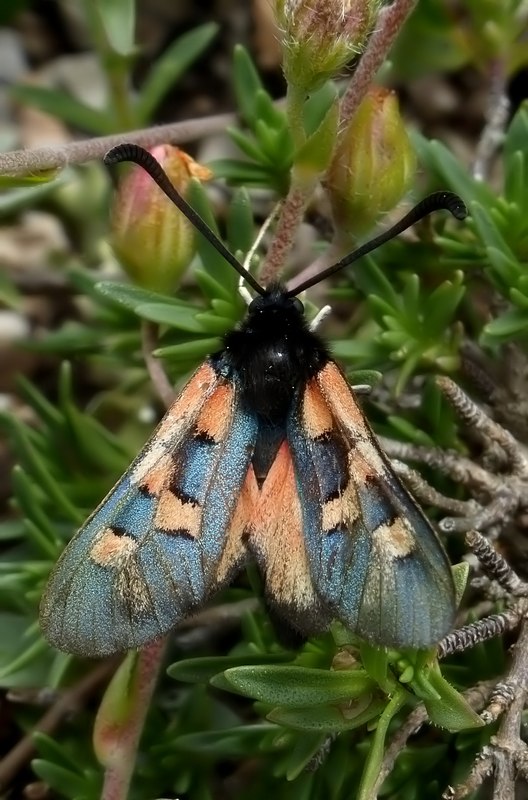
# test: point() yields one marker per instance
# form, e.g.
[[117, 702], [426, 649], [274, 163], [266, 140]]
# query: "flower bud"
[[116, 712], [321, 36], [152, 239], [373, 165]]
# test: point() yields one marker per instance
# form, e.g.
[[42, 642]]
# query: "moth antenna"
[[319, 317], [133, 152], [437, 201]]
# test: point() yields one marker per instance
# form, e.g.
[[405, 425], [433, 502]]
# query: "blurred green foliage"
[[244, 701]]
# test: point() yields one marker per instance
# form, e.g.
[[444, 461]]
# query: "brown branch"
[[481, 769], [501, 698], [499, 483], [497, 568], [505, 493], [158, 376], [67, 702], [290, 217], [496, 565], [455, 466], [502, 382], [478, 420], [507, 744], [29, 162], [496, 120], [427, 494], [507, 754], [480, 631], [390, 22], [38, 281]]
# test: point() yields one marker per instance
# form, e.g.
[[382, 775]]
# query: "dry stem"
[[29, 162]]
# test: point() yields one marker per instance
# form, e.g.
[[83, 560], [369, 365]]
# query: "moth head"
[[276, 300]]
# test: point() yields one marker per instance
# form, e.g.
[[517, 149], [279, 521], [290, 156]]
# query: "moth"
[[265, 455]]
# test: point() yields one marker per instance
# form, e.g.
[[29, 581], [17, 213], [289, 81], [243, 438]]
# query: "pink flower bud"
[[152, 239]]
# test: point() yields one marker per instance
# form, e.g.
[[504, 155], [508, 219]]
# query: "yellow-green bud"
[[319, 37], [373, 166], [152, 239]]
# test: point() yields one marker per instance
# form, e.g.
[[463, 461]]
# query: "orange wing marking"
[[317, 419], [173, 515], [393, 540], [215, 417], [277, 536], [111, 549], [180, 415]]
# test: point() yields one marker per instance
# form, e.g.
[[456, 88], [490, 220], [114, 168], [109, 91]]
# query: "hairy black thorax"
[[273, 352]]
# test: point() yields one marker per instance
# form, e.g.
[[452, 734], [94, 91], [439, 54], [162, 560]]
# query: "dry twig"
[[496, 120], [67, 702], [30, 162], [158, 376], [477, 697], [506, 755], [497, 497]]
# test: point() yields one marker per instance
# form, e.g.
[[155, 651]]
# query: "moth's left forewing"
[[374, 556], [149, 553]]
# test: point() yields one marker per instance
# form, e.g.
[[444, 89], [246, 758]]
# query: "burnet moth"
[[265, 455]]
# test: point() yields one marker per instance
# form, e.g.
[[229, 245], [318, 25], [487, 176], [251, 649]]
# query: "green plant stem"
[[116, 69], [118, 776], [120, 107], [477, 697], [295, 112], [375, 756]]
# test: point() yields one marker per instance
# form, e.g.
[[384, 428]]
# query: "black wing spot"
[[182, 496], [203, 437], [183, 533]]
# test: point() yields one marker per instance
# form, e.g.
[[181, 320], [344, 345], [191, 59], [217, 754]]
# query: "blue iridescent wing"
[[374, 558], [167, 535]]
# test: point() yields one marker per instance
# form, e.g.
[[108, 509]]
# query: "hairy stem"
[[390, 22], [291, 216], [118, 774], [27, 162]]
